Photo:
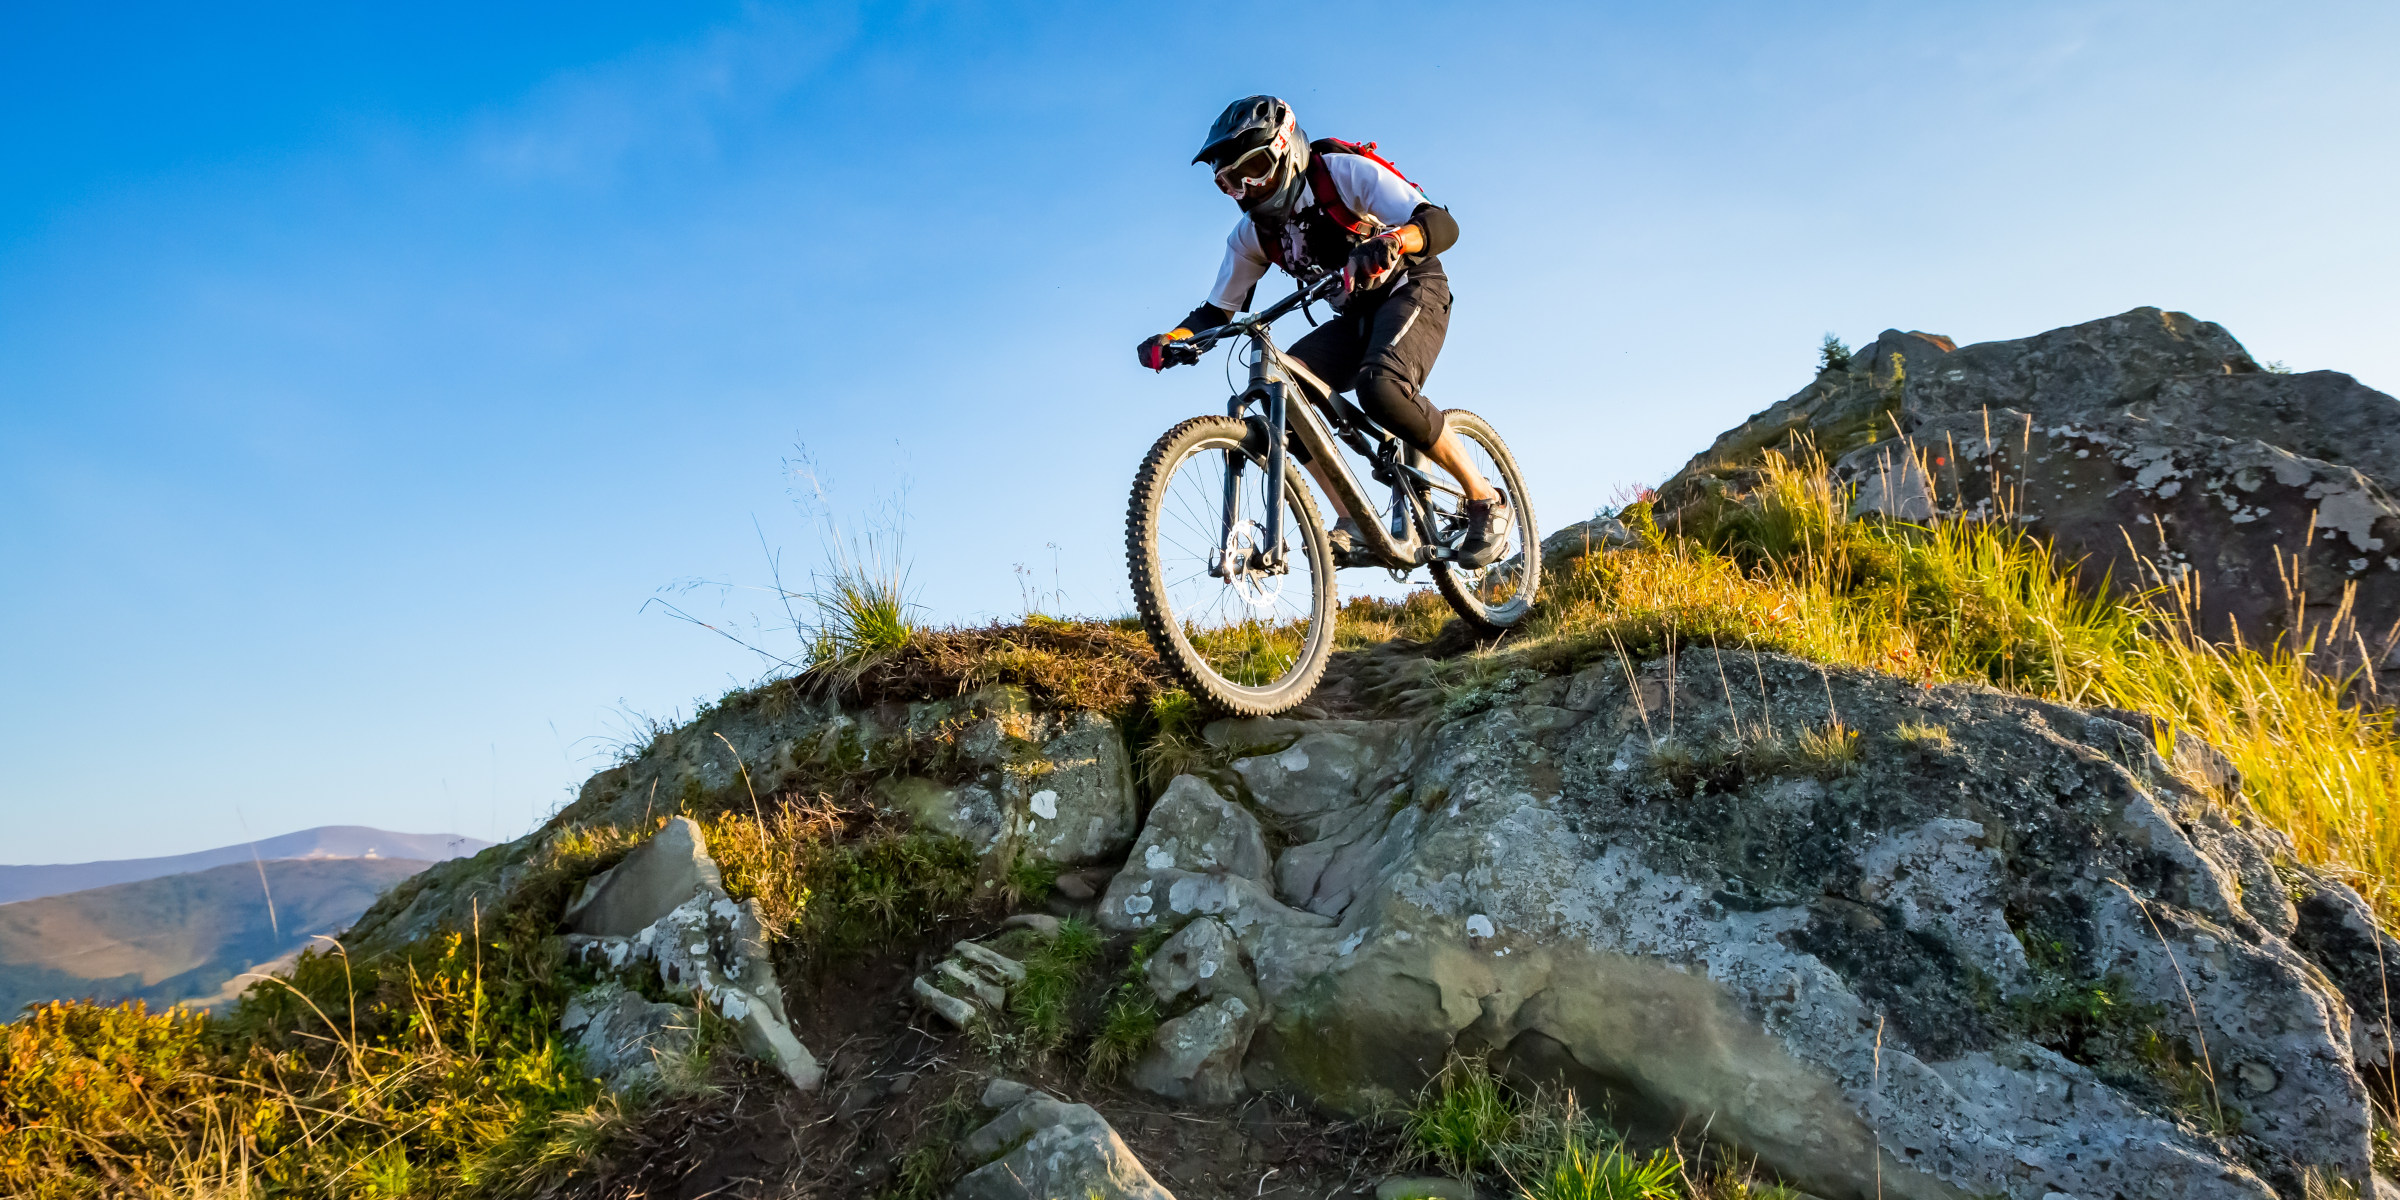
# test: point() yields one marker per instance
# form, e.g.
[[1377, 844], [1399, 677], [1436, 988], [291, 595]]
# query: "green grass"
[[1055, 972], [1461, 1121], [1251, 653], [434, 1072], [1126, 1030], [863, 609], [1543, 1142], [1368, 620], [1922, 736], [1582, 1172], [1168, 740], [1129, 1017]]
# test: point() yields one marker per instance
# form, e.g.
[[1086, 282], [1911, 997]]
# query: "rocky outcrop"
[[664, 909], [1042, 1148], [1965, 942], [1015, 782], [2148, 443]]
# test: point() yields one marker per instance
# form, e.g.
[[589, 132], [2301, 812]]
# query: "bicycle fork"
[[1270, 556]]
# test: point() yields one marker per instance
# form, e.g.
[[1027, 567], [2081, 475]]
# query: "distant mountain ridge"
[[325, 841], [182, 937]]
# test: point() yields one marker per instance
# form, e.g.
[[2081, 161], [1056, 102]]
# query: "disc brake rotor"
[[1238, 565]]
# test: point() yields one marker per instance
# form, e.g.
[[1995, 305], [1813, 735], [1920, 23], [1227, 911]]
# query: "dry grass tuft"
[[1368, 620], [1103, 666]]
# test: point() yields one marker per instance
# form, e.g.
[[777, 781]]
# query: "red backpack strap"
[[1367, 151], [1320, 183]]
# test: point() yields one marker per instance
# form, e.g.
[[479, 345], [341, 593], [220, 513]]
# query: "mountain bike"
[[1232, 570]]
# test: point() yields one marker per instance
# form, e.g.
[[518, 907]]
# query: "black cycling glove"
[[1152, 352], [1374, 261]]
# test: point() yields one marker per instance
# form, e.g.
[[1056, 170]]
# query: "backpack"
[[1328, 198]]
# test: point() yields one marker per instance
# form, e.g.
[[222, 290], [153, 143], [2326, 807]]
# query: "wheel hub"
[[1240, 563]]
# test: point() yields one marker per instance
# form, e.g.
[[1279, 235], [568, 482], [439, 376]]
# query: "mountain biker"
[[1316, 207]]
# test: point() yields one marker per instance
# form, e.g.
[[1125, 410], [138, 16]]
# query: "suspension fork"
[[1274, 392], [1273, 552], [1235, 461]]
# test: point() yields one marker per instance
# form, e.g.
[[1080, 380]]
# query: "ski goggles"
[[1253, 168]]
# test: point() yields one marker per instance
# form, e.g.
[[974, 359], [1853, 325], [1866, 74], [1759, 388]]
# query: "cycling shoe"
[[1487, 533], [1349, 550]]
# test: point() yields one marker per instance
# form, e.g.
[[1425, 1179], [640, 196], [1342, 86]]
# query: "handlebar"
[[1190, 349]]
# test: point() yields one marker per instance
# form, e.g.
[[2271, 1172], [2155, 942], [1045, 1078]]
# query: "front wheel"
[[1243, 632], [1496, 597]]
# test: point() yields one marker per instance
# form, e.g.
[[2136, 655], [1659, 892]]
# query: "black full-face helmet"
[[1254, 141]]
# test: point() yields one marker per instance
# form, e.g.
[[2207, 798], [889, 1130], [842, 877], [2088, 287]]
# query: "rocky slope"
[[1868, 964], [2150, 443], [1873, 937], [1934, 941]]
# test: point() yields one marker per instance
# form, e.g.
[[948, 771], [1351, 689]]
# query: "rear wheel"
[[1249, 638], [1496, 597]]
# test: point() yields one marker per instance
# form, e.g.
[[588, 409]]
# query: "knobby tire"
[[1484, 618], [1149, 574]]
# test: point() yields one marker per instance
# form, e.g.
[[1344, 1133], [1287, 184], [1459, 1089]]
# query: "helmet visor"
[[1245, 171]]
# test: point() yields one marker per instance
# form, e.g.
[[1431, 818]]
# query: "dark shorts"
[[1381, 355]]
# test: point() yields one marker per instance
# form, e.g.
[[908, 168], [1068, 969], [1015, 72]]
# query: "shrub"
[[839, 881]]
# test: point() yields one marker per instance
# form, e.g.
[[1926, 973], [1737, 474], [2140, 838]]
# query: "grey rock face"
[[1197, 1057], [705, 945], [1586, 537], [1828, 970], [626, 1039], [1198, 855], [1059, 789], [659, 875], [1060, 1150], [1203, 960], [1081, 810], [2148, 444]]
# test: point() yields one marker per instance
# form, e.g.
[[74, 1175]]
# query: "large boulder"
[[1947, 938], [1199, 855], [1057, 789], [1197, 1054], [664, 910], [1042, 1148], [653, 880], [2148, 443]]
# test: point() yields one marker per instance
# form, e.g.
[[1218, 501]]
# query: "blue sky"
[[364, 370]]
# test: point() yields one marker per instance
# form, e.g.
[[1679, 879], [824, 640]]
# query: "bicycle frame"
[[1274, 375]]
